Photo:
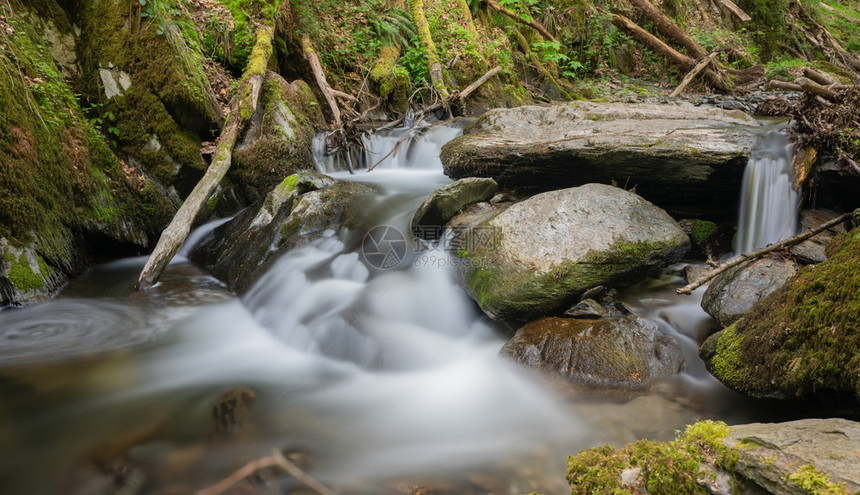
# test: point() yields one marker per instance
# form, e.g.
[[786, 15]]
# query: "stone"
[[609, 353], [812, 250], [732, 293], [538, 255], [687, 160], [447, 201]]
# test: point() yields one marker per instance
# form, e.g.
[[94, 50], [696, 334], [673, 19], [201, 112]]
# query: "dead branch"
[[816, 89], [707, 277], [276, 459], [774, 83], [533, 24], [244, 106], [312, 58], [818, 77], [669, 29], [693, 73], [300, 475]]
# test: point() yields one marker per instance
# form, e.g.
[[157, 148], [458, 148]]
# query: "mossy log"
[[669, 29], [524, 45], [466, 13], [242, 108], [532, 23], [433, 64]]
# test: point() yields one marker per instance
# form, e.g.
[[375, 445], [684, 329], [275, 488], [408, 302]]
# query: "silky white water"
[[769, 200], [380, 376]]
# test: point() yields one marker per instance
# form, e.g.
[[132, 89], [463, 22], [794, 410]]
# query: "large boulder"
[[687, 160], [447, 201], [810, 456], [801, 340], [302, 208], [732, 293], [608, 353], [538, 255]]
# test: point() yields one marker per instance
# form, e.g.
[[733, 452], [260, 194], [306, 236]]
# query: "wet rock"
[[302, 208], [540, 254], [608, 353], [783, 458], [694, 272], [588, 309], [687, 160], [447, 201], [732, 293], [812, 250], [801, 341], [709, 239]]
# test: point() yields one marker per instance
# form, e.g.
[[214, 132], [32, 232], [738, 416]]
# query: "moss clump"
[[666, 467], [802, 339], [703, 230], [814, 482], [22, 275]]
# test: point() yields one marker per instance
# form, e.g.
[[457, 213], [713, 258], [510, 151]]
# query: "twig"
[[298, 474], [393, 150], [240, 474], [688, 289]]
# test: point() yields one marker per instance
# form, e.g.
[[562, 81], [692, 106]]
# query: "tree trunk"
[[816, 89], [466, 13], [524, 44], [693, 73], [311, 56], [532, 23], [242, 108], [818, 77], [734, 9], [669, 29], [433, 63]]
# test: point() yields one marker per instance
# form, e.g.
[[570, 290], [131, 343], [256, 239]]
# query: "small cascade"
[[418, 147], [768, 198]]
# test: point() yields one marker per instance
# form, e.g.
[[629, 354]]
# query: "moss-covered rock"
[[64, 197], [539, 254], [801, 340], [447, 201], [297, 211]]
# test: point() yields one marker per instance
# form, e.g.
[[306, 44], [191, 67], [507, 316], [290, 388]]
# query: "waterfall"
[[768, 198]]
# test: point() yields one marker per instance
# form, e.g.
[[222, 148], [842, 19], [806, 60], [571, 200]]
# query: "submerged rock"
[[617, 352], [687, 160], [801, 340], [302, 208], [536, 256], [449, 200], [732, 293]]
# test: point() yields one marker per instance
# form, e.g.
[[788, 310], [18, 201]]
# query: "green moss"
[[666, 467], [703, 230], [815, 482], [22, 276], [727, 365]]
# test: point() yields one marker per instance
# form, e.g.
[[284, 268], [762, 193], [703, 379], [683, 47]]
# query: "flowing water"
[[768, 199], [374, 376]]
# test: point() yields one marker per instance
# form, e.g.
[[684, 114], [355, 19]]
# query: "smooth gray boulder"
[[537, 256], [302, 208], [608, 353], [687, 160], [812, 250], [780, 457], [732, 293], [447, 201]]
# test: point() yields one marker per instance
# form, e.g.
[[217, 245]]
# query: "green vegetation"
[[814, 482], [665, 467]]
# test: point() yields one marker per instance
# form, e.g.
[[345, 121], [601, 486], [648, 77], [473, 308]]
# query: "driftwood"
[[819, 77], [707, 277], [773, 83], [276, 459], [816, 89], [693, 73], [734, 9], [533, 24], [669, 29], [243, 106]]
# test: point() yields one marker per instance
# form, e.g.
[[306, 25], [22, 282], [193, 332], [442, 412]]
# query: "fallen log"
[[818, 77], [312, 58], [693, 73], [734, 9], [816, 89], [787, 86], [243, 107], [707, 277], [532, 23], [669, 29]]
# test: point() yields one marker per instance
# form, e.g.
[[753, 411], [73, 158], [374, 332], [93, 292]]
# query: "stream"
[[370, 377]]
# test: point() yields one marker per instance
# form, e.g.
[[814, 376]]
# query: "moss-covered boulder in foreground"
[[806, 457], [800, 341], [539, 254]]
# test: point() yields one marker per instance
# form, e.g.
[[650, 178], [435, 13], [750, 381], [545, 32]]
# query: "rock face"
[[302, 208], [812, 250], [539, 254], [687, 160], [448, 200], [801, 340], [776, 457], [732, 293], [621, 352]]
